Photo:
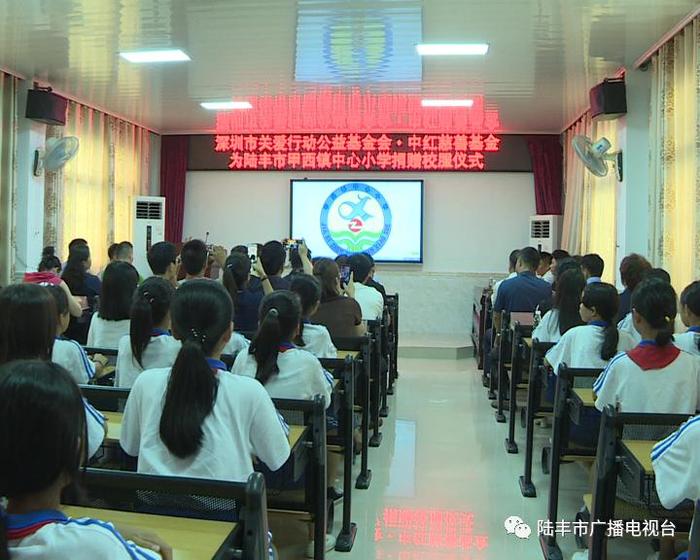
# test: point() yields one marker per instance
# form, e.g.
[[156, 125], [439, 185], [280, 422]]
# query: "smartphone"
[[345, 275], [290, 243], [253, 252]]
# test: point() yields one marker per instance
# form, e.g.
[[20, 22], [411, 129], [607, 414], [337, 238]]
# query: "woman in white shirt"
[[690, 314], [196, 419], [312, 338], [28, 332], [564, 314], [44, 406], [149, 344], [111, 322]]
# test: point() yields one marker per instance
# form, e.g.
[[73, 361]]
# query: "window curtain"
[[546, 157], [674, 240], [575, 180], [8, 173], [93, 195], [173, 173]]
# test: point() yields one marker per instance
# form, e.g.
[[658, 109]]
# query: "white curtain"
[[8, 174], [575, 180]]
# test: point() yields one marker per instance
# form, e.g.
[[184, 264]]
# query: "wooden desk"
[[295, 435], [585, 396], [342, 354], [528, 342], [190, 539], [641, 451]]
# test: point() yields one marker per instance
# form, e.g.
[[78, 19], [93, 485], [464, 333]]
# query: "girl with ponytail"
[[690, 313], [593, 344], [42, 443], [654, 377], [285, 370], [564, 314], [195, 419], [312, 338], [245, 291], [149, 343]]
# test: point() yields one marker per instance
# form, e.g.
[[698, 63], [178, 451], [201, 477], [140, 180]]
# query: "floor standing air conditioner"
[[149, 228], [544, 232]]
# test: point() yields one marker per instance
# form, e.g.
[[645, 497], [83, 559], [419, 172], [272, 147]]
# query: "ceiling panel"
[[544, 56]]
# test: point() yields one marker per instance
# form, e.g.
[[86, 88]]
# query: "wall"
[[464, 242]]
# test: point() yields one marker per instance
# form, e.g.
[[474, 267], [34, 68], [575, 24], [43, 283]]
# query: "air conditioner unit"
[[149, 228], [544, 232]]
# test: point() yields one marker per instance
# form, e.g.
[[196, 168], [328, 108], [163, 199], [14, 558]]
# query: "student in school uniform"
[[557, 256], [564, 315], [655, 376], [312, 337], [149, 343], [633, 269], [273, 257], [44, 407], [626, 325], [68, 353], [246, 297], [28, 326], [592, 266], [545, 263], [339, 312], [690, 314], [370, 300], [196, 419], [76, 274], [111, 322], [163, 261], [372, 281]]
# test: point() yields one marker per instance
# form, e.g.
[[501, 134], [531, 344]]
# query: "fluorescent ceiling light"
[[225, 105], [447, 102], [161, 55], [436, 49]]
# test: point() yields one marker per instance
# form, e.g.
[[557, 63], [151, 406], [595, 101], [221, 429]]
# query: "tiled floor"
[[443, 484]]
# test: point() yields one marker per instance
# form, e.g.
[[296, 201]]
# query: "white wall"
[[472, 222]]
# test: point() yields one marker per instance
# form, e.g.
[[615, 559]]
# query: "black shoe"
[[334, 495], [506, 405]]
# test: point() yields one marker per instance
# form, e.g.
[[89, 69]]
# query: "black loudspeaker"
[[46, 107], [609, 100]]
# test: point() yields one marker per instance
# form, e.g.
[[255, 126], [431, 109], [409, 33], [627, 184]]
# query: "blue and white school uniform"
[[579, 347], [688, 341], [95, 421], [677, 465], [548, 328], [300, 376], [627, 326], [236, 343], [51, 534], [317, 340], [70, 355], [161, 352], [106, 334], [242, 424], [651, 379]]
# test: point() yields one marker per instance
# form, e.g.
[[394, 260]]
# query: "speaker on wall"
[[46, 107], [609, 100]]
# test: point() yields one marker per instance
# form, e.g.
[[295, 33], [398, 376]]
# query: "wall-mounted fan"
[[595, 156], [57, 153]]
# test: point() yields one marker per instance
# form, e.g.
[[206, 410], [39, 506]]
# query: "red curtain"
[[547, 158], [174, 152]]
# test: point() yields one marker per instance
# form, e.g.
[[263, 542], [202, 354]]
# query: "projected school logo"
[[356, 218]]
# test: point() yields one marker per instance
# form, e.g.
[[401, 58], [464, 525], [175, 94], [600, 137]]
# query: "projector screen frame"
[[421, 257]]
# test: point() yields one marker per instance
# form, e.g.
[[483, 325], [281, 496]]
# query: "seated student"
[[111, 251], [111, 322], [592, 266], [48, 275], [626, 325], [273, 257], [68, 353], [312, 338], [246, 298], [341, 315], [371, 281], [557, 256], [594, 344], [193, 259], [564, 315], [690, 314], [286, 371], [299, 265], [124, 252], [654, 377], [512, 263], [162, 259], [568, 263], [196, 419], [81, 283], [633, 269], [149, 344], [44, 407], [28, 332], [545, 264], [370, 300]]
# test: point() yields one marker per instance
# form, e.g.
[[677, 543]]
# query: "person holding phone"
[[339, 312]]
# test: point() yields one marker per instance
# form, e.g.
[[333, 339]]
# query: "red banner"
[[358, 152]]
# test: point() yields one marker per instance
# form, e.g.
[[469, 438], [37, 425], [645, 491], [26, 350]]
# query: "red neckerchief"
[[285, 346], [649, 355]]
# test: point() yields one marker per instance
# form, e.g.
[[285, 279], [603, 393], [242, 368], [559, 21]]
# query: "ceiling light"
[[447, 102], [225, 105], [161, 55], [436, 49]]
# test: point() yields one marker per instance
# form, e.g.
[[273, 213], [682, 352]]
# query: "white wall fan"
[[595, 156], [57, 153]]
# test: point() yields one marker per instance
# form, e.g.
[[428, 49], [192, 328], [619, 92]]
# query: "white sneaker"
[[330, 545]]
